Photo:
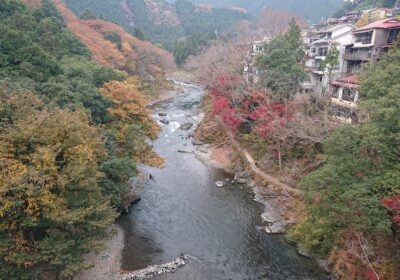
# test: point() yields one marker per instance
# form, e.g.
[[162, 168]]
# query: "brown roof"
[[347, 82]]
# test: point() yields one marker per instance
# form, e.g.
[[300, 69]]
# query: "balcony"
[[357, 56], [343, 103]]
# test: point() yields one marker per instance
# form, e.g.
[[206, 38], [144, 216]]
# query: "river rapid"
[[183, 212]]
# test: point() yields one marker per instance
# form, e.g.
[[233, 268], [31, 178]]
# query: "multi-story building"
[[320, 42], [369, 44], [250, 72]]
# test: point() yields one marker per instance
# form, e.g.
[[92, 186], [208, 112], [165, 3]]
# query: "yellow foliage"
[[367, 19], [129, 112], [362, 21], [45, 157]]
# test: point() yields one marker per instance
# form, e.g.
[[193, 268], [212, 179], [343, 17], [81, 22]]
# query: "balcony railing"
[[357, 56]]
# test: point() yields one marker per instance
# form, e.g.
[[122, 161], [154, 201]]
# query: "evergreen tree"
[[361, 171], [281, 67]]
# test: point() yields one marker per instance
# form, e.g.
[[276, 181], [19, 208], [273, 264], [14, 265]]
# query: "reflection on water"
[[182, 211]]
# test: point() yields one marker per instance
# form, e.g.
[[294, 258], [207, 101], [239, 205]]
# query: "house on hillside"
[[320, 43], [378, 13], [250, 72], [369, 44]]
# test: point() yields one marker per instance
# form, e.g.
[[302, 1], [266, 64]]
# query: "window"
[[258, 48], [364, 38], [349, 95], [393, 36], [323, 51], [341, 111]]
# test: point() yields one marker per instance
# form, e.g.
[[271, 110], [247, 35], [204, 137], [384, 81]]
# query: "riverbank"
[[183, 212], [106, 264], [283, 207]]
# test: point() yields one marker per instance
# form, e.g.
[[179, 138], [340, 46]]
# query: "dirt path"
[[270, 179]]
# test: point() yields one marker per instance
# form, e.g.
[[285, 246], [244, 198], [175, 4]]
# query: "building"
[[344, 97], [250, 72], [320, 43], [378, 13], [369, 44]]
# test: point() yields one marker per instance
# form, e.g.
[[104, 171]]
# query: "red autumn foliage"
[[393, 204], [371, 275], [267, 116]]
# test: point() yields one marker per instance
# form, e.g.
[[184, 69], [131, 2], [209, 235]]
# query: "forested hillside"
[[311, 10], [160, 21], [72, 132], [364, 4], [111, 45]]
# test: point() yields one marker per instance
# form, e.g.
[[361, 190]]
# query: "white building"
[[320, 42]]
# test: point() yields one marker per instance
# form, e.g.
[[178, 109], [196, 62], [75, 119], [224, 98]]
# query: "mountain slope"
[[312, 10], [160, 21], [111, 45], [364, 4]]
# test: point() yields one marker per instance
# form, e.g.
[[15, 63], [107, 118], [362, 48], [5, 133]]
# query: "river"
[[182, 211]]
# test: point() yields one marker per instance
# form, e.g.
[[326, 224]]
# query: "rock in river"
[[219, 184], [242, 181], [162, 114], [197, 142], [164, 121], [186, 126]]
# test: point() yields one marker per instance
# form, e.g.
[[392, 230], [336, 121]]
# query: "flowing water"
[[183, 212]]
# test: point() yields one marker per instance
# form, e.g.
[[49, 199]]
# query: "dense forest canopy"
[[311, 10], [72, 132], [159, 21]]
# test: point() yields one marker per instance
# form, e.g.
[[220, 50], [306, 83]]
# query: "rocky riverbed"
[[183, 211]]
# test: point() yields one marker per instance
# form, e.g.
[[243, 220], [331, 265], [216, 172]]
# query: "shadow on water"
[[182, 211]]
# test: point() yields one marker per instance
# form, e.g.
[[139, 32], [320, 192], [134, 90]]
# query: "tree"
[[281, 67], [276, 21], [131, 122], [358, 183], [52, 207], [139, 34], [87, 14], [331, 61]]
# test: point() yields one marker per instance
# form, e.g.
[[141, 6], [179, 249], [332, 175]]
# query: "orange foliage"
[[134, 56], [129, 113]]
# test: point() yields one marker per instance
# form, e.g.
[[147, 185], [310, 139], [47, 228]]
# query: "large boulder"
[[128, 200]]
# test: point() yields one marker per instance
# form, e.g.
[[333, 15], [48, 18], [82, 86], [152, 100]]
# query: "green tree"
[[281, 67], [361, 167], [87, 14], [139, 34], [331, 61]]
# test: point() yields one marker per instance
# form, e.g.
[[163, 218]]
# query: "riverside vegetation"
[[72, 133], [349, 175]]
